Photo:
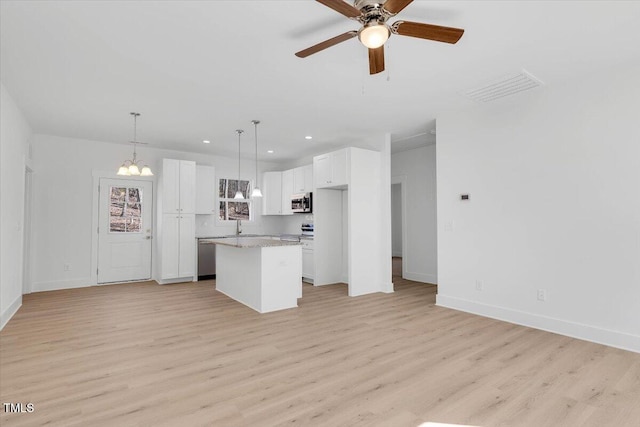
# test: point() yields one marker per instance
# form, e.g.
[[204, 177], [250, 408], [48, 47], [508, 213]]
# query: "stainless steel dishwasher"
[[206, 261]]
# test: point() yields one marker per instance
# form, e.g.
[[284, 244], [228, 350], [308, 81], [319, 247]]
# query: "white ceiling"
[[199, 70]]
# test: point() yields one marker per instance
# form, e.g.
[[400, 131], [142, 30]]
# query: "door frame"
[[402, 180], [95, 210]]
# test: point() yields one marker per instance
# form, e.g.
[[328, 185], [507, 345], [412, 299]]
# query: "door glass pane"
[[117, 220], [125, 210], [134, 195], [134, 217]]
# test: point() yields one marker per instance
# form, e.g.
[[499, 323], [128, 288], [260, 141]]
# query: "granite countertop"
[[228, 236], [249, 242], [261, 236]]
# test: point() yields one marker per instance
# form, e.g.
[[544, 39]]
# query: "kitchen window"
[[233, 209]]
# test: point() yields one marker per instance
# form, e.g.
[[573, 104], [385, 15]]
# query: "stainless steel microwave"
[[302, 202]]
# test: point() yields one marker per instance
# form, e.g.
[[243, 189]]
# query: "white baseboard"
[[10, 311], [56, 285], [178, 280], [420, 277], [387, 288], [581, 331]]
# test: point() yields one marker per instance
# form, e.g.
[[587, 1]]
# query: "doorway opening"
[[398, 227], [396, 230]]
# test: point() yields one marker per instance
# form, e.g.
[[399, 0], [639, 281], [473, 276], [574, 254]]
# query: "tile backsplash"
[[209, 226]]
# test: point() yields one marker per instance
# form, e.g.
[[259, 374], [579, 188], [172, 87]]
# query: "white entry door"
[[124, 232]]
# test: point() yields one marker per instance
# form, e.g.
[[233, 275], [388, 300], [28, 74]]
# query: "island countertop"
[[249, 242]]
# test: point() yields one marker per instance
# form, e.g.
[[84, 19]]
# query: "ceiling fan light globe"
[[133, 169], [374, 36]]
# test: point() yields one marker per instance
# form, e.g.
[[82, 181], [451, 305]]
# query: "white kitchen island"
[[261, 273]]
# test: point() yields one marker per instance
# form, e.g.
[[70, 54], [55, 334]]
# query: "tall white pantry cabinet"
[[177, 220]]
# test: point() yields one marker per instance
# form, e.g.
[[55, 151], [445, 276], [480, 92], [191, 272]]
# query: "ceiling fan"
[[373, 15]]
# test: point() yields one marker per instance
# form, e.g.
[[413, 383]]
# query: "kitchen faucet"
[[238, 227]]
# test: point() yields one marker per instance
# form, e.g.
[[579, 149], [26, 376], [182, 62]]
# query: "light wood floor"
[[186, 355], [396, 266]]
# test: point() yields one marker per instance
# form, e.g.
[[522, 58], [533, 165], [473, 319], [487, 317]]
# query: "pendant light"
[[238, 192], [130, 167], [256, 190]]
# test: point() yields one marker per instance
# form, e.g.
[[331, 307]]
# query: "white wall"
[[15, 134], [290, 224], [64, 199], [418, 168], [554, 181], [396, 220], [366, 240]]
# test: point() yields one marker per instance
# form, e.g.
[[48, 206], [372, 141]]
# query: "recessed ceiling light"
[[270, 151], [308, 137], [206, 141]]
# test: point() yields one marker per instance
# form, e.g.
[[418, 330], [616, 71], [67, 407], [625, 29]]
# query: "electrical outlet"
[[478, 285], [67, 267], [542, 295]]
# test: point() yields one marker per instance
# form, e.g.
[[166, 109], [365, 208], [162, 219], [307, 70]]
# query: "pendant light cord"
[[255, 125], [239, 132]]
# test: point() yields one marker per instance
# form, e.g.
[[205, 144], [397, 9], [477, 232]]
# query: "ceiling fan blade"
[[427, 31], [325, 44], [395, 6], [376, 60], [341, 7]]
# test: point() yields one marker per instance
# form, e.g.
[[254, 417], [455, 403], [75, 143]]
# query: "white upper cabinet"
[[187, 186], [278, 187], [205, 190], [330, 170], [178, 186], [303, 179], [272, 193], [287, 191], [170, 187]]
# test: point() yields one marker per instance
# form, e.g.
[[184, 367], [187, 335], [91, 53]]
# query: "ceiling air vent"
[[507, 85]]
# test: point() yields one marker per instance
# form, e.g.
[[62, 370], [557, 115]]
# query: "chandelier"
[[131, 167]]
